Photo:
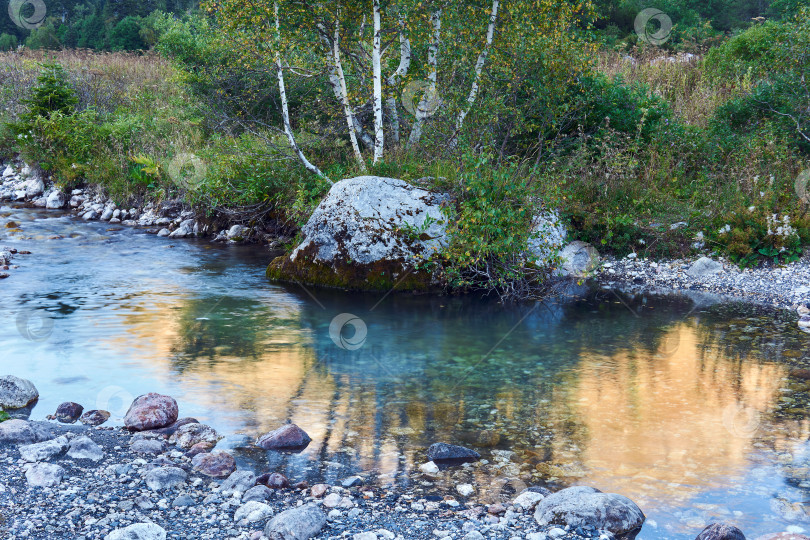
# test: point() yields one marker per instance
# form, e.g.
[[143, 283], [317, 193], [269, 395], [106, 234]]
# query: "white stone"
[[429, 468], [704, 267], [56, 200], [44, 474], [138, 531], [579, 259], [43, 451], [465, 490], [528, 499], [252, 511], [85, 448]]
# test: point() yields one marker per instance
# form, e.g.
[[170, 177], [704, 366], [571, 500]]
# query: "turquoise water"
[[696, 411]]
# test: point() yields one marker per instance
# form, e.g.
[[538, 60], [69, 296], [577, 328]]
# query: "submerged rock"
[[151, 411], [581, 506], [365, 234], [721, 531], [287, 437], [273, 481], [447, 452], [16, 393]]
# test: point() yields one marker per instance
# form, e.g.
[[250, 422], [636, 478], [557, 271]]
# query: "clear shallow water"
[[696, 413]]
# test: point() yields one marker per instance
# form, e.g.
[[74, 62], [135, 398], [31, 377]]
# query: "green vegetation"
[[4, 416], [641, 151]]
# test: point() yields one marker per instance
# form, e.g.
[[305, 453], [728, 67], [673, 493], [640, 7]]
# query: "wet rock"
[[85, 448], [237, 232], [164, 232], [319, 490], [68, 412], [287, 437], [352, 481], [579, 259], [257, 493], [299, 523], [451, 452], [429, 468], [721, 531], [16, 393], [43, 451], [237, 482], [188, 435], [138, 531], [164, 478], [94, 417], [151, 411], [185, 229], [56, 200], [582, 506], [22, 432], [217, 464], [44, 475], [704, 267], [251, 512], [273, 480]]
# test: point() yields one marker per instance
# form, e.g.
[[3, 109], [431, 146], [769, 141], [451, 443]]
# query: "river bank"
[[61, 480]]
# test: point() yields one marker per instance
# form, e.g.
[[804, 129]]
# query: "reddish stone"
[[199, 448], [287, 437], [216, 464], [273, 481], [94, 417], [68, 412], [319, 490], [496, 509], [721, 531], [151, 411]]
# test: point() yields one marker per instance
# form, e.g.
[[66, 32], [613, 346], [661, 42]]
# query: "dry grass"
[[684, 83], [105, 81]]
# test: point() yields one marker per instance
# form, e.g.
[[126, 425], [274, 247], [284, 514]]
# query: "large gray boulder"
[[43, 451], [44, 475], [299, 523], [56, 200], [16, 393], [580, 506], [22, 432], [548, 238], [365, 233]]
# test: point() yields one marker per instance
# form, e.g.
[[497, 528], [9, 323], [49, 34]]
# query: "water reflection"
[[697, 414]]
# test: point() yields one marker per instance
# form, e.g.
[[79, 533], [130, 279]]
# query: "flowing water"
[[696, 411]]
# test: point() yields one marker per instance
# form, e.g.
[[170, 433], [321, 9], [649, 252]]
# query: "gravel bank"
[[110, 486], [785, 286]]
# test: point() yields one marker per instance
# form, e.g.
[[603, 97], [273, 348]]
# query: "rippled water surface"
[[697, 412]]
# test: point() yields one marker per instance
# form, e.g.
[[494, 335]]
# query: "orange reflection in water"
[[666, 427]]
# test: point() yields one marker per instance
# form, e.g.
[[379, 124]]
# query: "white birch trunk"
[[343, 95], [479, 68], [285, 112], [393, 80], [422, 111], [379, 135]]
